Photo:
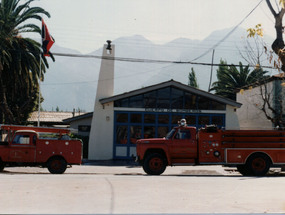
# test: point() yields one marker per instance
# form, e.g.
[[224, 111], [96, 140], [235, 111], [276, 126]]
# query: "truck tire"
[[2, 166], [56, 165], [244, 170], [154, 164], [258, 164]]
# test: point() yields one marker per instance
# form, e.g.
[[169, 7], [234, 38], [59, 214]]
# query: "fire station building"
[[153, 111], [119, 120]]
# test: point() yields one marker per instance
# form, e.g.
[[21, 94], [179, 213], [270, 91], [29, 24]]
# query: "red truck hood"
[[152, 140]]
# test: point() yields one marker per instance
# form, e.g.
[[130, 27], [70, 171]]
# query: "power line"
[[227, 35], [139, 60]]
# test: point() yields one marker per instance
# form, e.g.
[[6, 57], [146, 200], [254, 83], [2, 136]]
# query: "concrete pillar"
[[101, 134]]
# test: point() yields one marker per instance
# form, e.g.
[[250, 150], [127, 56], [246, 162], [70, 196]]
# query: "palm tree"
[[230, 79], [19, 60]]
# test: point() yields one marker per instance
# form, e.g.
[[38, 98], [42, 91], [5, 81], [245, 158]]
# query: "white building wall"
[[249, 114], [231, 118], [101, 134]]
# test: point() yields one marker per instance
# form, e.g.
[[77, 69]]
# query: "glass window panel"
[[176, 118], [136, 101], [183, 134], [163, 119], [136, 118], [218, 120], [135, 133], [177, 99], [203, 103], [149, 132], [162, 131], [122, 117], [191, 120], [122, 103], [218, 106], [203, 120], [163, 93], [150, 99], [190, 101], [163, 98], [122, 134], [149, 118]]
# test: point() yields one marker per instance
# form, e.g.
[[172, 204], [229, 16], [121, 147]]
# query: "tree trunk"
[[278, 45]]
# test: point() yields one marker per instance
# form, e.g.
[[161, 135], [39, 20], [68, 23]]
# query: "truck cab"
[[178, 147]]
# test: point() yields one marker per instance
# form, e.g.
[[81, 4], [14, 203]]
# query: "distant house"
[[52, 118], [250, 115], [81, 123]]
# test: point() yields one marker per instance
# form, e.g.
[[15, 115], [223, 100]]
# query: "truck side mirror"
[[34, 139]]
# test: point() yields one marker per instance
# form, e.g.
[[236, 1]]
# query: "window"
[[218, 106], [21, 139], [176, 119], [218, 120], [122, 134], [84, 128], [136, 118], [190, 101], [163, 119], [183, 134], [149, 118], [191, 120], [176, 99], [122, 103], [135, 133], [122, 117], [149, 132], [136, 101], [150, 99], [203, 120], [203, 103], [163, 98]]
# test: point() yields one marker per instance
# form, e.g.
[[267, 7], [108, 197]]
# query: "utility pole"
[[210, 83]]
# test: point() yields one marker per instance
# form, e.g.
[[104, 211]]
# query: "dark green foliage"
[[20, 60], [231, 79], [192, 79]]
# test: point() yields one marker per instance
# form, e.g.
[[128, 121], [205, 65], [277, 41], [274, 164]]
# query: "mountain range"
[[71, 82]]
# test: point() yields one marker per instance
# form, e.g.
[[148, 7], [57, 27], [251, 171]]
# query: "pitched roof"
[[51, 116], [172, 83], [83, 116]]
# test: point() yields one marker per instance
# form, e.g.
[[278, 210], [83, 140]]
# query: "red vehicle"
[[39, 146], [253, 152]]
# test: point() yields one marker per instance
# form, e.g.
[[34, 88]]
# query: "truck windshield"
[[170, 134]]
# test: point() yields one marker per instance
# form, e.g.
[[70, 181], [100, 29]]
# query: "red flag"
[[47, 39]]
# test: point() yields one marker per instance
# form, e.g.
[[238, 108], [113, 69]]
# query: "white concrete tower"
[[101, 134]]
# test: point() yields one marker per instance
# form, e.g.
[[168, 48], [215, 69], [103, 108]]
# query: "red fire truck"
[[253, 152], [39, 146]]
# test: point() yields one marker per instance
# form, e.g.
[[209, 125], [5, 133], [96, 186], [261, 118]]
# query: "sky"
[[85, 25]]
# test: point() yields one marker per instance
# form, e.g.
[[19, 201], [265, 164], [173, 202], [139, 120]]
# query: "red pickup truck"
[[39, 146], [253, 152]]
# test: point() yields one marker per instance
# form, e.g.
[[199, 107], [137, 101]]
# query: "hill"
[[71, 82]]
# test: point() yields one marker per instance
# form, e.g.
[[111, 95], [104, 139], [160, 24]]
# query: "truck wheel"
[[244, 170], [56, 165], [154, 164], [2, 166], [258, 164]]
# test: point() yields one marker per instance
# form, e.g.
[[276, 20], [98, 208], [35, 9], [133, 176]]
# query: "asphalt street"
[[99, 189]]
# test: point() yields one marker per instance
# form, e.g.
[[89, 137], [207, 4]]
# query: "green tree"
[[230, 79], [192, 79], [20, 60]]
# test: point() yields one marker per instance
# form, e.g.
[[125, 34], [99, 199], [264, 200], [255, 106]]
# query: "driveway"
[[99, 189]]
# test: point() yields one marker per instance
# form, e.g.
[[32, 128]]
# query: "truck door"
[[23, 148], [183, 144]]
